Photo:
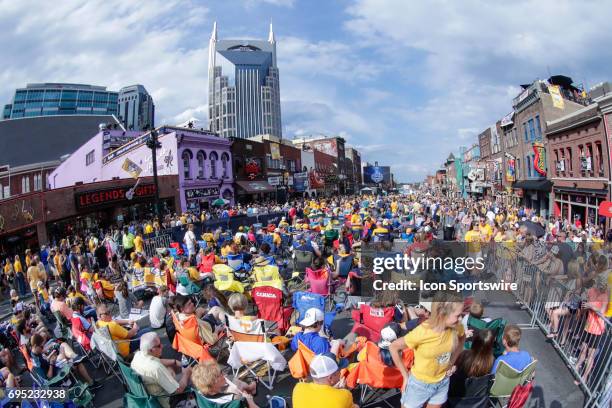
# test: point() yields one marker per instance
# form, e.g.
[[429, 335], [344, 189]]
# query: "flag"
[[275, 151], [555, 94], [132, 168]]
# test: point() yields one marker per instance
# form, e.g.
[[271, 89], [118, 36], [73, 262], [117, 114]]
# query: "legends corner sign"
[[117, 195]]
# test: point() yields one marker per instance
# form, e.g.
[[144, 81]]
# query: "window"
[[7, 191], [556, 162], [25, 185], [89, 158], [532, 133], [528, 166], [599, 159], [213, 164], [187, 156], [201, 160], [37, 182], [525, 131], [1, 192], [224, 162], [570, 161], [538, 126]]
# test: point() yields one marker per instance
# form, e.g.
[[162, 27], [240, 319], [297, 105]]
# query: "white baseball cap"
[[388, 336], [312, 316], [322, 366]]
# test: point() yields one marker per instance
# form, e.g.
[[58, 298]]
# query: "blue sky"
[[405, 81]]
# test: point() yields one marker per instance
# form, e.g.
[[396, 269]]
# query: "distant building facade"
[[136, 108]]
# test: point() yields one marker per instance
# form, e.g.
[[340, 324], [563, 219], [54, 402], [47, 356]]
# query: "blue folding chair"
[[302, 301]]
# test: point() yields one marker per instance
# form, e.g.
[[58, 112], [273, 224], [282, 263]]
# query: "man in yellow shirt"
[[473, 237], [139, 243], [148, 228], [120, 333], [321, 393]]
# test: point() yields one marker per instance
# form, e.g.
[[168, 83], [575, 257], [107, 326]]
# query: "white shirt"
[[157, 312], [156, 377], [189, 240]]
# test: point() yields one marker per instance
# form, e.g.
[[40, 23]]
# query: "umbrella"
[[533, 227], [219, 202]]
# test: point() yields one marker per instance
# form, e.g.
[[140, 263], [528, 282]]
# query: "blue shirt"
[[314, 342], [515, 359]]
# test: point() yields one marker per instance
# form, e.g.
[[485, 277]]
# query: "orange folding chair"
[[299, 364], [187, 339], [378, 382], [369, 321]]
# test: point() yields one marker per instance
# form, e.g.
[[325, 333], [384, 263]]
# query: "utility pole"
[[153, 144]]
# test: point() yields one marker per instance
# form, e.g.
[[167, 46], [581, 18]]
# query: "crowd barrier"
[[163, 238], [587, 355]]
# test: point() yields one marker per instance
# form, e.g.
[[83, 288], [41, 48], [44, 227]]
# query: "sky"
[[404, 81]]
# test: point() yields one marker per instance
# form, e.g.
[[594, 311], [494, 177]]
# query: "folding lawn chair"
[[187, 339], [224, 279], [102, 341], [369, 321], [251, 348], [269, 302], [507, 378], [302, 301]]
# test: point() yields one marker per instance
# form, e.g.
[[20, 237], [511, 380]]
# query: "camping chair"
[[269, 302], [507, 378], [187, 339], [299, 364], [224, 279], [84, 343], [377, 381], [475, 393], [236, 262], [302, 301], [369, 321], [62, 329], [302, 260], [78, 392], [268, 275], [251, 347], [137, 395], [102, 341], [204, 402], [190, 287], [497, 326]]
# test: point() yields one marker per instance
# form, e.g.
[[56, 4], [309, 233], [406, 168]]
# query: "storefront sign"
[[539, 161], [555, 94], [125, 148], [605, 208], [111, 196], [252, 169], [510, 169], [300, 181], [204, 192], [275, 151]]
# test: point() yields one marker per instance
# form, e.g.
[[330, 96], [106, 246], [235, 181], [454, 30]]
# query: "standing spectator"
[[128, 243], [139, 243], [157, 309], [33, 278], [19, 276], [437, 343], [101, 255], [190, 241]]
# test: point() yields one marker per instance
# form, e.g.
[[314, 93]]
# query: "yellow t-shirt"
[[473, 239], [486, 232], [44, 294], [17, 267], [148, 229], [58, 264], [432, 351], [7, 269], [117, 332], [609, 311], [307, 395], [139, 244]]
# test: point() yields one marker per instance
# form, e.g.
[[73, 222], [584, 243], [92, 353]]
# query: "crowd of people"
[[97, 278]]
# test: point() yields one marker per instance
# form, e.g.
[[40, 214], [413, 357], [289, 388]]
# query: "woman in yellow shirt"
[[436, 343]]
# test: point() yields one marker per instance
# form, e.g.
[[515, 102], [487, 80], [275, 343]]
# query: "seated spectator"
[[78, 307], [476, 311], [513, 356], [157, 309], [89, 311], [126, 300], [7, 379], [475, 362], [325, 390], [118, 332], [311, 337], [207, 323], [209, 380], [45, 361], [238, 303], [59, 303], [43, 298], [417, 314], [158, 374]]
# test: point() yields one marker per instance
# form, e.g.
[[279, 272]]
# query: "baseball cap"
[[322, 366], [253, 250], [388, 336], [426, 305], [312, 316]]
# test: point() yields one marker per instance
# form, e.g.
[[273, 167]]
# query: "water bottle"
[[184, 362]]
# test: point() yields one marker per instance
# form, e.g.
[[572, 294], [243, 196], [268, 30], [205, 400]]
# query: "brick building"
[[25, 179], [579, 163]]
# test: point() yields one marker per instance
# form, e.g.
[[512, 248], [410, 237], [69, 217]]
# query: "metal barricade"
[[582, 336], [153, 243]]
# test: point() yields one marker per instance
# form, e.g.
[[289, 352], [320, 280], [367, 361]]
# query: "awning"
[[597, 191], [539, 185], [254, 187]]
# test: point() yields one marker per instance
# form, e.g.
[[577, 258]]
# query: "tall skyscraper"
[[61, 99], [136, 108], [243, 87]]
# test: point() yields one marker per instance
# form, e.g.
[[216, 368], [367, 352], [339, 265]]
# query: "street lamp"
[[153, 144]]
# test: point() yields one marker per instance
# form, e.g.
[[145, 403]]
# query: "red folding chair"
[[269, 302], [369, 321]]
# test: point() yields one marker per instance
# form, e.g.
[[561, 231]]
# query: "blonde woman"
[[436, 343]]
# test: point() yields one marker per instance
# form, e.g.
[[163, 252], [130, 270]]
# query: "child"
[[513, 356], [476, 311]]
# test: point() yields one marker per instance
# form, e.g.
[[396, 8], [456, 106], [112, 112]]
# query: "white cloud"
[[280, 3]]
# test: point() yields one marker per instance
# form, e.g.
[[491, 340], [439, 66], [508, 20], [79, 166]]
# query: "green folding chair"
[[137, 395], [63, 326], [78, 392], [204, 402], [497, 326], [507, 378]]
